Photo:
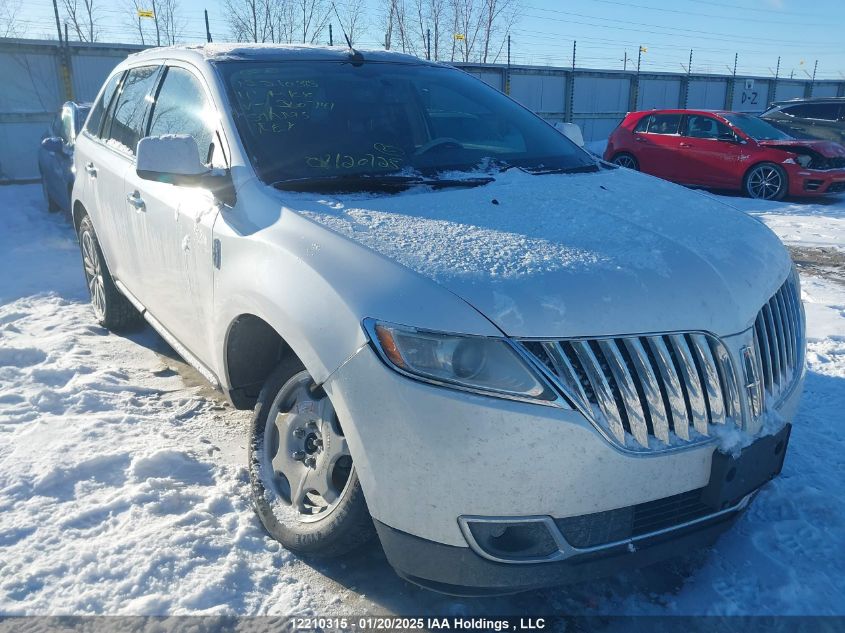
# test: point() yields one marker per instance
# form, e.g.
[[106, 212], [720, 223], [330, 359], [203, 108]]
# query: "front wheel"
[[304, 486], [626, 160], [766, 181]]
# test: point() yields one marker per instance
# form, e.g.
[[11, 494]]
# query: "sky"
[[759, 31]]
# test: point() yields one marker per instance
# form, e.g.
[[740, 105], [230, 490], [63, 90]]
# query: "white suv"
[[516, 361]]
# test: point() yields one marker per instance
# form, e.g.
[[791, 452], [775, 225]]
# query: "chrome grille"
[[647, 392], [779, 341]]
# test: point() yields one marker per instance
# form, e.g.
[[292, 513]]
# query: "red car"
[[726, 150]]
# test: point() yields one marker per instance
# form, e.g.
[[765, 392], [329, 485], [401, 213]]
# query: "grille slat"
[[651, 388], [713, 387], [692, 384], [645, 392], [774, 343], [601, 388], [674, 392], [628, 390], [788, 334]]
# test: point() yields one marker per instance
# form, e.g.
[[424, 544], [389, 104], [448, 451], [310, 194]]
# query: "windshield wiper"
[[385, 182], [580, 169]]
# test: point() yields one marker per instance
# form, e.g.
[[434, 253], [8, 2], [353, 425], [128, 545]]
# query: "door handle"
[[92, 171], [136, 201], [684, 145], [639, 139]]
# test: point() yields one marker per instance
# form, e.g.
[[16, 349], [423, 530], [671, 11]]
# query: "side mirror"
[[174, 159], [570, 131], [728, 137], [171, 158], [53, 144]]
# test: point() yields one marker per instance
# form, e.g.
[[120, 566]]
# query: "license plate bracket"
[[732, 478]]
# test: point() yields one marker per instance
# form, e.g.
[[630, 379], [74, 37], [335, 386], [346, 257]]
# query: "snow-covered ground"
[[123, 491]]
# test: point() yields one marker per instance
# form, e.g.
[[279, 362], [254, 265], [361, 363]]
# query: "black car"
[[822, 118], [55, 156]]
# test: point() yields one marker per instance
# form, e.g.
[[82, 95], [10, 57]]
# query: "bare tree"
[[9, 26], [83, 18], [133, 19], [171, 23], [353, 19], [465, 30], [250, 20], [315, 16], [278, 20]]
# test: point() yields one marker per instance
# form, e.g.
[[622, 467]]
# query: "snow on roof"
[[247, 51]]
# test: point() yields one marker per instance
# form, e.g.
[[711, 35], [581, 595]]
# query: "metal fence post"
[[65, 72], [570, 90]]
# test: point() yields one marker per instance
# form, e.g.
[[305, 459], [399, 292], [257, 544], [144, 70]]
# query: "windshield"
[[757, 128], [313, 120]]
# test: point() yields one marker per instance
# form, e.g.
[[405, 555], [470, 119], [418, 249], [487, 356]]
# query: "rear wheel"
[[111, 309], [766, 181], [52, 207], [626, 160], [304, 486]]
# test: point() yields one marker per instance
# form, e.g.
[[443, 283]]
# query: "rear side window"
[[822, 111], [659, 124], [182, 108], [128, 116], [92, 126]]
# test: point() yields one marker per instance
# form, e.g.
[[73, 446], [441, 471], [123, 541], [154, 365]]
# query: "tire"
[[290, 416], [766, 181], [624, 159], [52, 207], [111, 309]]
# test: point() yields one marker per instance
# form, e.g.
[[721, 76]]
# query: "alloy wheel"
[[305, 460], [94, 274], [624, 160], [764, 182]]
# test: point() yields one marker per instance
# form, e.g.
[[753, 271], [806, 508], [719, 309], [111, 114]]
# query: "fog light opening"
[[515, 540]]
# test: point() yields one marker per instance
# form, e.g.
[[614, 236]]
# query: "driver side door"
[[710, 153]]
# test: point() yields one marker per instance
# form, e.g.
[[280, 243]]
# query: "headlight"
[[489, 365], [803, 160]]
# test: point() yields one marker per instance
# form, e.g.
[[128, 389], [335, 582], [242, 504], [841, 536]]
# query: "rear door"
[[656, 139], [173, 238], [706, 156]]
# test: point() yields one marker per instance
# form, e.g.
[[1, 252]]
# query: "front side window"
[[659, 124], [92, 125], [699, 126], [301, 120], [757, 128], [126, 124], [182, 108]]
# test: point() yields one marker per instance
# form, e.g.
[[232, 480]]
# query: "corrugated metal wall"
[[35, 83]]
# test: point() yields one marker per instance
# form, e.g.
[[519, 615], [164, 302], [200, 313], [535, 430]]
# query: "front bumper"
[[460, 571], [815, 182]]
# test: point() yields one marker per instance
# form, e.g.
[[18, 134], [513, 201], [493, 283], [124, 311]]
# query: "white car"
[[522, 365]]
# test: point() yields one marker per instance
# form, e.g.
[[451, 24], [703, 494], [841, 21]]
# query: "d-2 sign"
[[749, 95]]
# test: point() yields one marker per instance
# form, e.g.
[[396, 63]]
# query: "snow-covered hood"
[[828, 149], [614, 252]]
